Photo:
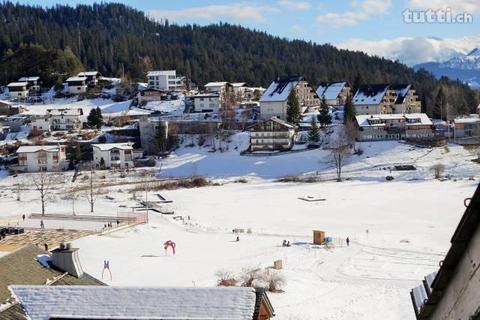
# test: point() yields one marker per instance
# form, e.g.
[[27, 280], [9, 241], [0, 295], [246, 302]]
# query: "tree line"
[[120, 41]]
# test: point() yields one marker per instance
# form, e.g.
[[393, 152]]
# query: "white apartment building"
[[209, 102], [77, 85], [114, 155], [166, 80], [41, 158], [18, 89]]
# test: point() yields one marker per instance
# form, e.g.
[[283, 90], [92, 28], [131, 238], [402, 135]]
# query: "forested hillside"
[[116, 40]]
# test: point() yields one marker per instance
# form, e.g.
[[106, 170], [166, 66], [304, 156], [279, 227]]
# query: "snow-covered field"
[[409, 220]]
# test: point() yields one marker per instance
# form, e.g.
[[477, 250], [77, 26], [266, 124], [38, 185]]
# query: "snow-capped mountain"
[[465, 67]]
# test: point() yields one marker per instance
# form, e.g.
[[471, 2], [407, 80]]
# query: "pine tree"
[[439, 108], [313, 133], [293, 112], [348, 110], [95, 118], [324, 117]]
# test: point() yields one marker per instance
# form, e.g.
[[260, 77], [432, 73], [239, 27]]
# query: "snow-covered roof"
[[370, 94], [205, 95], [216, 84], [160, 72], [25, 79], [402, 91], [330, 90], [32, 149], [102, 302], [5, 102], [17, 84], [64, 112], [238, 84], [378, 120], [280, 89], [88, 73], [471, 119], [110, 146], [76, 78]]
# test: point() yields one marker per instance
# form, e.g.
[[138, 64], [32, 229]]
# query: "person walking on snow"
[[348, 242]]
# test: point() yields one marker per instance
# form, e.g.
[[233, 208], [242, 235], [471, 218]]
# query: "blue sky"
[[373, 26]]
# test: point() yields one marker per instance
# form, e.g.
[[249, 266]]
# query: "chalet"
[[7, 109], [41, 158], [104, 302], [216, 87], [41, 123], [33, 84], [452, 292], [91, 77], [374, 99], [271, 135], [30, 265], [151, 94], [18, 90], [407, 100], [113, 155], [208, 102], [335, 93], [274, 101], [394, 127], [77, 85], [467, 127], [166, 80], [65, 119]]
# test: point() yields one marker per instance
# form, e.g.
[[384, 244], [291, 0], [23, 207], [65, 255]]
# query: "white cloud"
[[468, 6], [296, 5], [414, 50], [235, 12], [361, 11]]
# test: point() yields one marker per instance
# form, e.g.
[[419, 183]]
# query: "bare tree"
[[274, 280], [340, 150], [352, 132], [438, 170], [44, 183], [19, 187], [92, 191]]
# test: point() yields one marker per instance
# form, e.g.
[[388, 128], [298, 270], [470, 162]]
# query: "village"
[[237, 199]]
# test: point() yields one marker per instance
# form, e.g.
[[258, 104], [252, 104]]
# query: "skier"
[[348, 241], [238, 238]]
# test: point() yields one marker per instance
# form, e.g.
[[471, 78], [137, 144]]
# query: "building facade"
[[91, 77], [407, 100], [113, 155], [206, 102], [394, 127], [166, 80], [271, 135], [274, 101], [41, 158], [77, 85], [18, 90]]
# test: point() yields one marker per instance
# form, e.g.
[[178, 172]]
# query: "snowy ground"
[[409, 221]]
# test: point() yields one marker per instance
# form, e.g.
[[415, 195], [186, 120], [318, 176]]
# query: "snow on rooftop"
[[238, 84], [25, 79], [280, 89], [413, 118], [471, 119], [161, 72], [330, 90], [31, 149], [370, 94], [110, 146], [76, 78], [17, 84], [88, 73], [216, 84], [44, 302]]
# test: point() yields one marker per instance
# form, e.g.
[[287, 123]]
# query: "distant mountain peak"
[[474, 53]]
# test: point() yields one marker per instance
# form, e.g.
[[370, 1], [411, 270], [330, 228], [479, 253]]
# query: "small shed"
[[318, 237]]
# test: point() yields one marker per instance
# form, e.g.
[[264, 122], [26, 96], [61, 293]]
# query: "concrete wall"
[[461, 300], [273, 109]]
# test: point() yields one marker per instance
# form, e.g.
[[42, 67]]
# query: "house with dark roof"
[[454, 291], [102, 302], [31, 265], [274, 101], [273, 134], [374, 99], [407, 100], [335, 93]]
